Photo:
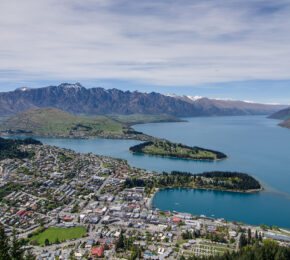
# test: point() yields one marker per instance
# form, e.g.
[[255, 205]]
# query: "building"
[[99, 251]]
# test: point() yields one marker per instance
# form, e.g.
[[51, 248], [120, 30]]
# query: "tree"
[[15, 251], [120, 242], [256, 235], [243, 241], [249, 236], [46, 242], [4, 242]]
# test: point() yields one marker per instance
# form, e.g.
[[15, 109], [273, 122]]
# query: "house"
[[176, 219], [67, 219], [99, 251]]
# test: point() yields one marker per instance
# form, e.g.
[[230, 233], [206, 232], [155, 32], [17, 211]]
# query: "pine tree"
[[256, 235], [4, 242], [249, 236], [243, 241], [120, 242], [15, 251], [46, 242]]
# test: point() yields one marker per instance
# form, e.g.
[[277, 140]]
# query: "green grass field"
[[54, 123], [62, 234]]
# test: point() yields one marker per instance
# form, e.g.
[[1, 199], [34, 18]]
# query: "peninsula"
[[59, 202], [51, 122], [282, 115], [166, 148], [217, 180]]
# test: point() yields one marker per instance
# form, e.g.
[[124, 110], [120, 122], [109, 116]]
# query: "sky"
[[216, 48]]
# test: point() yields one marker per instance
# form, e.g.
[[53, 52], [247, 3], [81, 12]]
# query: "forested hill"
[[166, 148], [76, 99], [227, 181], [9, 148]]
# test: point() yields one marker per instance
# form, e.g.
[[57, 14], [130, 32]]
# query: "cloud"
[[163, 42]]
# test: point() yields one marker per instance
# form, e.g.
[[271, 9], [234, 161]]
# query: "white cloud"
[[162, 42]]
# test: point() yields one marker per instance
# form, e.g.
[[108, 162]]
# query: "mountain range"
[[76, 99]]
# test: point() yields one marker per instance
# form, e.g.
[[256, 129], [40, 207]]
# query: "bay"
[[254, 144]]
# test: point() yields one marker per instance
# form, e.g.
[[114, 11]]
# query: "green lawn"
[[62, 234]]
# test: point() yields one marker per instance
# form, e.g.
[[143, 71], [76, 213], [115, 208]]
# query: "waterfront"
[[254, 144]]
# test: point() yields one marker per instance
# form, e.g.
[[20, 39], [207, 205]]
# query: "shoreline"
[[208, 189], [78, 137], [178, 158], [150, 199]]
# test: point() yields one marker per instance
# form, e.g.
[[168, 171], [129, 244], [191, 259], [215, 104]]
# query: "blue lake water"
[[254, 144]]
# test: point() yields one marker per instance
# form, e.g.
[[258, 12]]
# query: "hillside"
[[282, 115], [285, 123], [217, 180], [9, 148], [51, 122], [166, 148], [75, 99], [134, 119]]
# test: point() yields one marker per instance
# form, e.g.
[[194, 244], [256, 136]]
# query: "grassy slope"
[[169, 149], [53, 122], [62, 234], [143, 118]]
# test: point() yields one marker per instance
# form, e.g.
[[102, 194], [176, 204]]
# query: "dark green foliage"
[[267, 251], [132, 131], [9, 148], [217, 180], [4, 245], [11, 250], [139, 147], [15, 251], [120, 243], [7, 189], [176, 150], [246, 182], [46, 242]]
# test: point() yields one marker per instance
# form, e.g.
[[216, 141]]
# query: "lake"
[[254, 144]]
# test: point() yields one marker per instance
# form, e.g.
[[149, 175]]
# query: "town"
[[67, 205]]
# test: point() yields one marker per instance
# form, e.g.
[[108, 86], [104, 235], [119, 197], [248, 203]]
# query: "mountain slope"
[[75, 99], [216, 107], [51, 122], [285, 123], [282, 114]]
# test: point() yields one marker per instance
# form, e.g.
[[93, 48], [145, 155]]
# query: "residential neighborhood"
[[67, 205]]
